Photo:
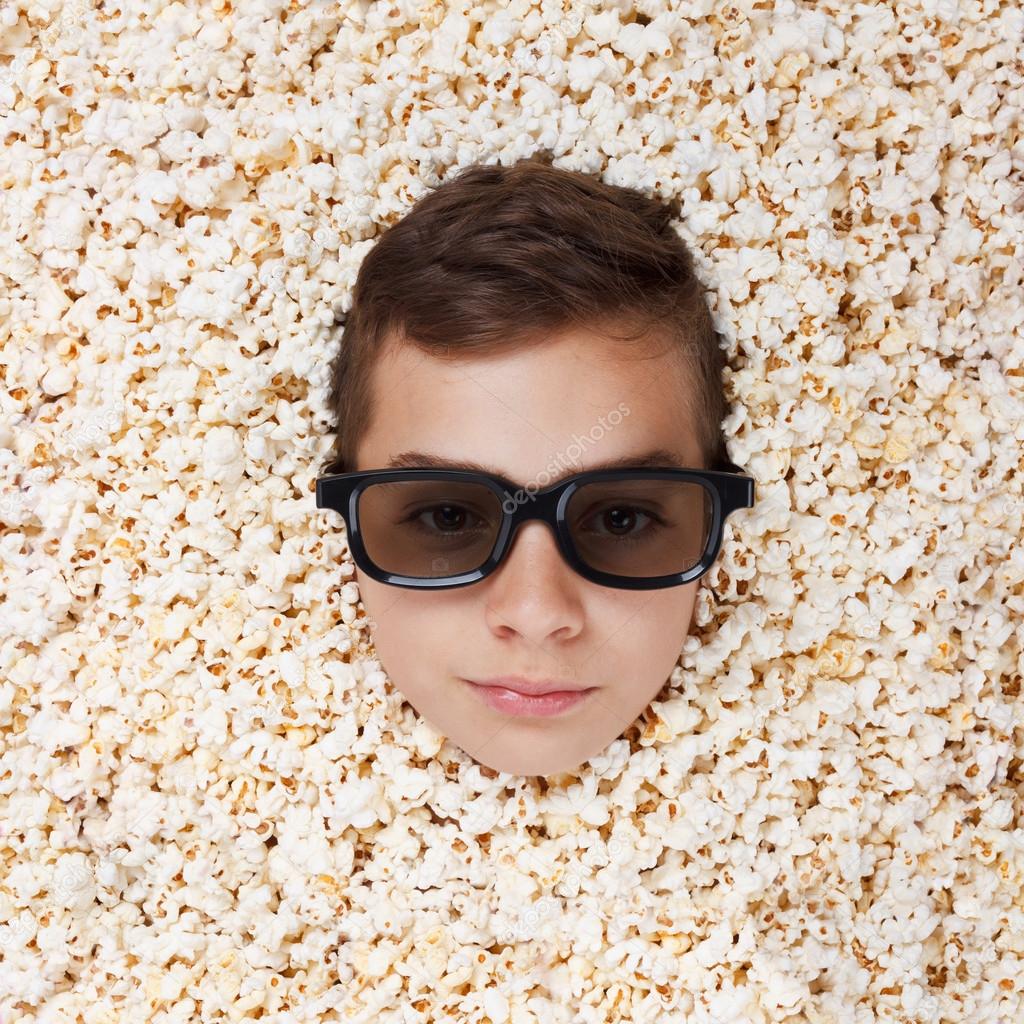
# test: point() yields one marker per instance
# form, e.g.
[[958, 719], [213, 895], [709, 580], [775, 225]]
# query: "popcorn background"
[[215, 807]]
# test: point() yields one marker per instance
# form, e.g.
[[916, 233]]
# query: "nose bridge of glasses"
[[522, 506]]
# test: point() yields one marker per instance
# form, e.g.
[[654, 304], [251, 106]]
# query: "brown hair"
[[501, 256]]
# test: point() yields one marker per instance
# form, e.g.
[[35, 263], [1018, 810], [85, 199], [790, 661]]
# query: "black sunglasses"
[[384, 511]]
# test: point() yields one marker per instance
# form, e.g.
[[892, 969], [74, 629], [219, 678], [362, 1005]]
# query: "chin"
[[514, 766]]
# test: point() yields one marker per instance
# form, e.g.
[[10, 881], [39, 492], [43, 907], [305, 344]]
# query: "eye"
[[621, 521], [445, 518]]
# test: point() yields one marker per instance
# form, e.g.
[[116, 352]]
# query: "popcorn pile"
[[214, 805]]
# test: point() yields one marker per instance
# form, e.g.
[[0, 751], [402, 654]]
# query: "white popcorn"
[[585, 72], [58, 381], [222, 455], [205, 768]]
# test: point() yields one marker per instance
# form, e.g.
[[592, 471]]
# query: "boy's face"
[[533, 617]]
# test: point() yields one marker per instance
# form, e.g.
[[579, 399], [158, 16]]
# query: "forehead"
[[652, 457], [562, 404]]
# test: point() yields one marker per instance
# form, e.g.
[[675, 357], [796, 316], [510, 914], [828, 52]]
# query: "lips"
[[518, 704], [533, 687]]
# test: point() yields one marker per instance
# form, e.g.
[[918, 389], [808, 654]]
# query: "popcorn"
[[200, 766], [222, 455]]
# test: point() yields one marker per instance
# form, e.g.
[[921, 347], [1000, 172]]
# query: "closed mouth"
[[533, 688]]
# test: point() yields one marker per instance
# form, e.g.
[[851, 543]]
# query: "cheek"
[[685, 605], [654, 622], [663, 606], [403, 621]]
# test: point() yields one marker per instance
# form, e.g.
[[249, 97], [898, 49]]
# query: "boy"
[[521, 326]]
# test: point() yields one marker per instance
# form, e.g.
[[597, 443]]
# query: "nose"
[[534, 592]]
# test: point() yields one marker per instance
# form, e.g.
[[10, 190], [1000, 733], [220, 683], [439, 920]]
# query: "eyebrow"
[[652, 459]]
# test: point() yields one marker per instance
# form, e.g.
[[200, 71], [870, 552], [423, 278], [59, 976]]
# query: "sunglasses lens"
[[429, 528], [640, 527]]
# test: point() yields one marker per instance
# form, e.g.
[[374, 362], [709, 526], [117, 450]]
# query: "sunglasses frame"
[[730, 491]]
